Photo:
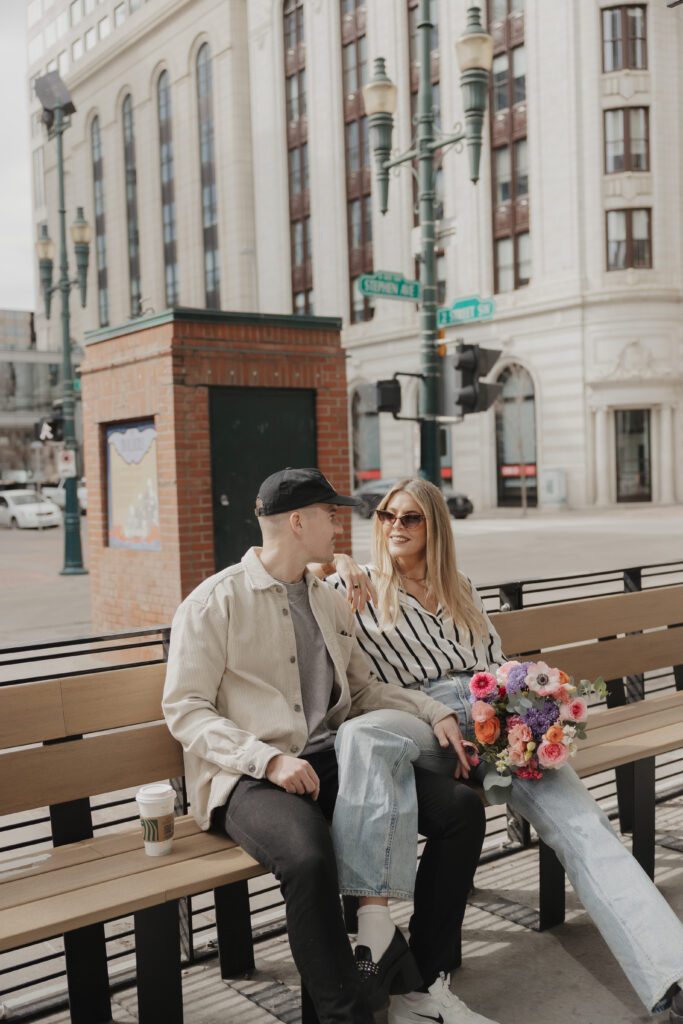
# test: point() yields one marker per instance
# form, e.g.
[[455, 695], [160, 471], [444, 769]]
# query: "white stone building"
[[575, 228]]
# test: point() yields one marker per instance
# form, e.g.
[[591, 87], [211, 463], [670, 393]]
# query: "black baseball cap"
[[296, 488]]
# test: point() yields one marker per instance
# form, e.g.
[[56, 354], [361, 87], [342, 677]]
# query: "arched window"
[[516, 438], [212, 266], [168, 189], [134, 287], [359, 206], [297, 156], [100, 231]]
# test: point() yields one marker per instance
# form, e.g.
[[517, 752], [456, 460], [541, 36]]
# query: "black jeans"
[[290, 836]]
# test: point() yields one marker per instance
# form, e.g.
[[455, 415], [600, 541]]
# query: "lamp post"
[[57, 108], [475, 56]]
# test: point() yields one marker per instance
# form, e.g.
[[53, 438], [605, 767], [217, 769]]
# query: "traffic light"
[[463, 391], [50, 429]]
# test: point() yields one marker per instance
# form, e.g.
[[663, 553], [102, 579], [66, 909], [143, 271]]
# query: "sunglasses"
[[410, 521]]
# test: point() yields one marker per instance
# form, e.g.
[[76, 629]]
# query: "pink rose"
[[482, 684], [519, 733], [518, 755], [552, 755], [575, 711], [481, 711], [543, 680]]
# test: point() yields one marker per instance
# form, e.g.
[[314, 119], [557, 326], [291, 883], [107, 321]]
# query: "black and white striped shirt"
[[422, 646]]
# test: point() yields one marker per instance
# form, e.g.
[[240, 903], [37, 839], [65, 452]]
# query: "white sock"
[[375, 929]]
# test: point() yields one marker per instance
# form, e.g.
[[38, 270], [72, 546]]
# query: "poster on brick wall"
[[132, 493]]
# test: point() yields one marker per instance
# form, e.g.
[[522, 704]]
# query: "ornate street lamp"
[[475, 55], [57, 109]]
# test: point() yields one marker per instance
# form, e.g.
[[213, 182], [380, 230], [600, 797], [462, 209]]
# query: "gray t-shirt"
[[315, 668]]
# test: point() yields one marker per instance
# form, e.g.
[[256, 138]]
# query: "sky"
[[16, 231]]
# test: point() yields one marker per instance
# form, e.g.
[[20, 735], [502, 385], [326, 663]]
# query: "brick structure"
[[162, 368]]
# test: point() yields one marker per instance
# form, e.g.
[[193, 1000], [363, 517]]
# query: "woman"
[[426, 627]]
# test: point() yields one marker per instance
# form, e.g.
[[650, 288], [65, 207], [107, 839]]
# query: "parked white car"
[[58, 494], [28, 510]]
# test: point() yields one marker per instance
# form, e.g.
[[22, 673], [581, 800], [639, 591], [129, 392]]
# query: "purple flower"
[[516, 677], [540, 719]]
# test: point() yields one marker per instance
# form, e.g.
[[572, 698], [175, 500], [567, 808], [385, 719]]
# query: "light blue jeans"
[[375, 835]]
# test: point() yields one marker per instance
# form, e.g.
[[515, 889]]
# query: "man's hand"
[[359, 588], [447, 732], [294, 775]]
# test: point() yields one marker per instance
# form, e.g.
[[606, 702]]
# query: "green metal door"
[[254, 432]]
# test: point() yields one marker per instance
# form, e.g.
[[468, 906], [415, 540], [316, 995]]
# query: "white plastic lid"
[[154, 792]]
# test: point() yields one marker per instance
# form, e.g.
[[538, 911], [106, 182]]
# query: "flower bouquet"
[[527, 719]]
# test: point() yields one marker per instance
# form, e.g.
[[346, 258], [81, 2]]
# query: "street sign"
[[466, 311], [66, 463], [385, 284]]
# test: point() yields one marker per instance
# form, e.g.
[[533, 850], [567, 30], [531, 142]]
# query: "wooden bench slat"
[[15, 892], [30, 713], [39, 776], [627, 655], [532, 629], [43, 919], [599, 717], [109, 700], [629, 748], [28, 862], [633, 726]]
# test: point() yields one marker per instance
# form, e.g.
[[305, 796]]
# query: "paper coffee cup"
[[155, 804]]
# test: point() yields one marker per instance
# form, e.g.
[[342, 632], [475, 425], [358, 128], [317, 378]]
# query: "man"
[[263, 668]]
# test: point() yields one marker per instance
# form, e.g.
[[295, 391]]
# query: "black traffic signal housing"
[[51, 429], [472, 362]]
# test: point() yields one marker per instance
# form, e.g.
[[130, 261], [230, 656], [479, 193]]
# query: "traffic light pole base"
[[73, 570]]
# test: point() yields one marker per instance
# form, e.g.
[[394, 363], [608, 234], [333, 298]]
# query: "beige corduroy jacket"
[[232, 695]]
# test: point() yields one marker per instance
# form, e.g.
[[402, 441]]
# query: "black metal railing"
[[28, 981]]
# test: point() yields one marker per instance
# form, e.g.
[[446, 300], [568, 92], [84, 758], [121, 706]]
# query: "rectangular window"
[[34, 12], [90, 38], [503, 175], [500, 82], [522, 168], [505, 265], [89, 6], [51, 33], [77, 49], [76, 11], [63, 63], [119, 15], [62, 24], [519, 74], [523, 258], [624, 38], [104, 28], [626, 140], [35, 48], [629, 242]]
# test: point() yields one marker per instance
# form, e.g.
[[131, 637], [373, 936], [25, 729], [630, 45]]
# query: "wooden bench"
[[620, 638], [63, 741]]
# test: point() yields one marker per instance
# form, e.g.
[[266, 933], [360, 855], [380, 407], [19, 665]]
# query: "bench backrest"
[[105, 733], [612, 637]]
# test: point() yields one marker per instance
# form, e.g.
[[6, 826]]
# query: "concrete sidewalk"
[[510, 973]]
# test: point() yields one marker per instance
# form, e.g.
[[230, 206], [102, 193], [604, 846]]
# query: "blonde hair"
[[445, 584]]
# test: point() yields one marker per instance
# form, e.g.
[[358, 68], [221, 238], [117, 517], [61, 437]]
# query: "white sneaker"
[[438, 1005]]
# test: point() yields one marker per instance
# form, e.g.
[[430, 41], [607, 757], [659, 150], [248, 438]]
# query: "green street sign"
[[466, 311], [384, 284]]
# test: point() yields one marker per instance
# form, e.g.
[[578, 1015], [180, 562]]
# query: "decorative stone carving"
[[633, 363]]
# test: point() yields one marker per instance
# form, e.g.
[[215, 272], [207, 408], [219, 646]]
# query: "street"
[[36, 603]]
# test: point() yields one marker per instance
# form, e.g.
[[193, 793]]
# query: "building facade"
[[221, 152]]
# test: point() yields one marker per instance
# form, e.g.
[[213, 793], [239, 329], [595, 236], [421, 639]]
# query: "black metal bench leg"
[[308, 1012], [644, 814], [551, 888], [87, 977], [157, 951], [233, 928]]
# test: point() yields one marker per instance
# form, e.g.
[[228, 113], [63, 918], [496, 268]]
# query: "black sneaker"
[[396, 970]]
